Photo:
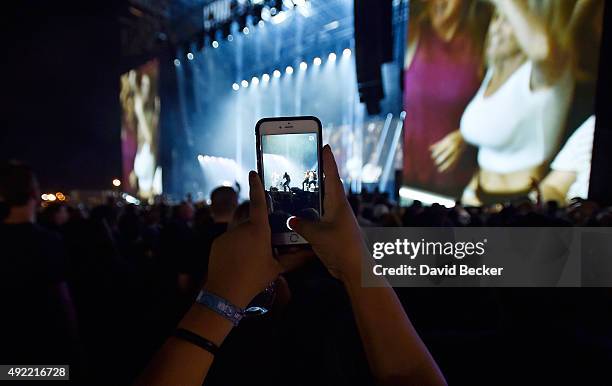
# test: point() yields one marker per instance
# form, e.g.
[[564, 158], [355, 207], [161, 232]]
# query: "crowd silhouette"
[[113, 281]]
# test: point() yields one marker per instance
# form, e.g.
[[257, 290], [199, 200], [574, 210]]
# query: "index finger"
[[258, 211], [334, 191]]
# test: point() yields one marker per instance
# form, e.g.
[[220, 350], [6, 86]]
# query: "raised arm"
[[395, 352], [532, 33], [241, 266]]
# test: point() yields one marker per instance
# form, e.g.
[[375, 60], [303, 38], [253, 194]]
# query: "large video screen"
[[140, 104], [499, 98]]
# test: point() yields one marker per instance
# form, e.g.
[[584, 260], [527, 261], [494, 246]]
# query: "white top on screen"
[[517, 128], [576, 157]]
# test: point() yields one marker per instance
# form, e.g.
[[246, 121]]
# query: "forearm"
[[530, 30], [179, 362], [584, 11], [394, 349]]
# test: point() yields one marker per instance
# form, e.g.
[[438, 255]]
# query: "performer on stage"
[[286, 182], [305, 183], [312, 179]]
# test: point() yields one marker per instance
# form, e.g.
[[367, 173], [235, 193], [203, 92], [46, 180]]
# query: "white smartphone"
[[289, 164]]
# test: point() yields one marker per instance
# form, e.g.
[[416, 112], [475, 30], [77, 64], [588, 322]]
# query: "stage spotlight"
[[116, 182], [255, 81], [280, 17], [346, 53], [261, 23], [189, 56], [244, 83], [303, 66], [215, 44], [177, 62], [265, 78], [266, 14], [245, 30], [331, 26], [51, 197], [43, 197], [230, 38], [201, 157], [236, 87], [276, 73], [332, 57], [289, 70], [317, 61]]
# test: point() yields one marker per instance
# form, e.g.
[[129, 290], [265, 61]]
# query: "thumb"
[[305, 228]]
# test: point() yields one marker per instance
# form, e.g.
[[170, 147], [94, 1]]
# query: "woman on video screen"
[[443, 69], [518, 116]]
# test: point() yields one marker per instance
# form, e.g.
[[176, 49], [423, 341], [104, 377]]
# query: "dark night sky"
[[60, 106]]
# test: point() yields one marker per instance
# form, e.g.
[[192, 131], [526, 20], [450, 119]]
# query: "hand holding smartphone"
[[289, 164]]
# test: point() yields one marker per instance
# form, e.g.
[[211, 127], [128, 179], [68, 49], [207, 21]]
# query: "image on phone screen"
[[291, 178]]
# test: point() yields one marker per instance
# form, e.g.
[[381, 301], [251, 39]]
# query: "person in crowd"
[[443, 69], [357, 207], [54, 216], [193, 262], [223, 202], [242, 265], [571, 168], [180, 250], [528, 51], [39, 325]]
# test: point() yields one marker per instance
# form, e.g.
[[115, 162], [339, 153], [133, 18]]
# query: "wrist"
[[233, 293], [206, 323], [350, 274]]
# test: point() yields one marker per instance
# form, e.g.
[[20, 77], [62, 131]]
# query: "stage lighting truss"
[[289, 69], [246, 14]]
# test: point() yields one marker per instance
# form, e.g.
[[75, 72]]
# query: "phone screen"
[[291, 179]]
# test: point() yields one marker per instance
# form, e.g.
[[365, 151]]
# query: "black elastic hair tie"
[[197, 340]]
